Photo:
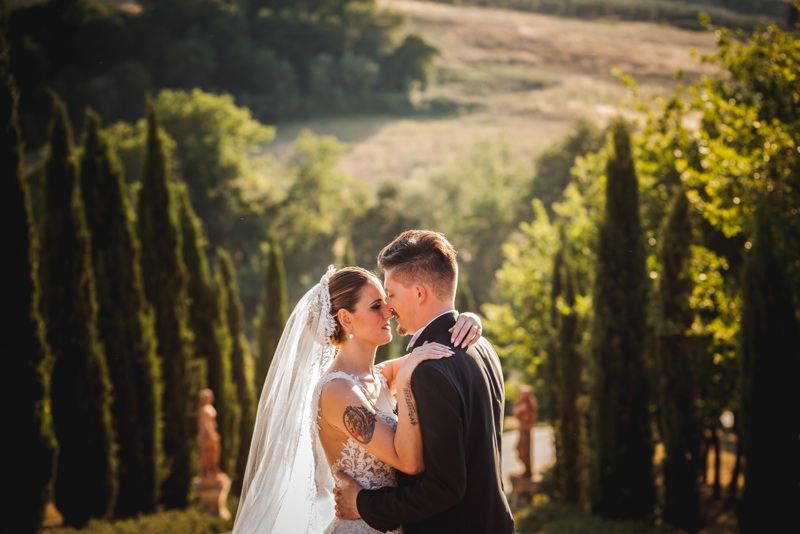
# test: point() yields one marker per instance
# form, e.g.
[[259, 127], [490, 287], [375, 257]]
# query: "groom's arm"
[[443, 483]]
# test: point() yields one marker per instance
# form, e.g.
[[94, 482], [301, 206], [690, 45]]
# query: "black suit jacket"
[[460, 400]]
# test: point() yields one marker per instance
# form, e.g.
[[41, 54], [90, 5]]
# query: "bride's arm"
[[408, 436], [462, 333], [344, 407]]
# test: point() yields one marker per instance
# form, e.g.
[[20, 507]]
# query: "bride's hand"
[[426, 351], [467, 330]]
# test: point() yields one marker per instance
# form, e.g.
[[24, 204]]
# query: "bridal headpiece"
[[320, 320]]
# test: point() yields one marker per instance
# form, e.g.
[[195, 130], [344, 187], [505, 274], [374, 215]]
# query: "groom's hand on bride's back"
[[346, 497]]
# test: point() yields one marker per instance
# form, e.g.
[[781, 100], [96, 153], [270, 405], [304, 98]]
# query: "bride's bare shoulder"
[[339, 392]]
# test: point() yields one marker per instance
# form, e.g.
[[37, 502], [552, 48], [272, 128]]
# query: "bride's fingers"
[[433, 350], [473, 336], [467, 335], [436, 352], [459, 332]]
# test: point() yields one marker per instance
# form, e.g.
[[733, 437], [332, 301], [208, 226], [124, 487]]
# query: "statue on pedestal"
[[212, 485], [525, 410], [524, 485], [207, 435]]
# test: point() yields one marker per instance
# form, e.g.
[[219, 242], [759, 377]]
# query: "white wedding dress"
[[365, 468]]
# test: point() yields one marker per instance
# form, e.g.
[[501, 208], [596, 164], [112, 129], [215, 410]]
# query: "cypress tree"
[[621, 442], [274, 311], [680, 426], [125, 323], [770, 337], [550, 394], [212, 342], [241, 361], [81, 387], [27, 367], [569, 362], [165, 282]]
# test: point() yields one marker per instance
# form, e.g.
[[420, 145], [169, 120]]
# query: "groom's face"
[[402, 301]]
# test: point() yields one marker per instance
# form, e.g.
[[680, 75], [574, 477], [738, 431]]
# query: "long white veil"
[[287, 485]]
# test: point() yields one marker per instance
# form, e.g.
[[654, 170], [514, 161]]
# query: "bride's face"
[[372, 315]]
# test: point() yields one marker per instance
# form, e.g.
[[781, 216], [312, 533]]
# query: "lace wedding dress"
[[364, 467]]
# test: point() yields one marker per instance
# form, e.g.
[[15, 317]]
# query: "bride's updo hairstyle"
[[345, 288]]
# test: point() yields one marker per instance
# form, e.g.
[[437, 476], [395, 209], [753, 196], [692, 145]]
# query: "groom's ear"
[[422, 293]]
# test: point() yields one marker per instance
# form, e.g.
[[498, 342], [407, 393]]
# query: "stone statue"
[[207, 435], [212, 485], [525, 410]]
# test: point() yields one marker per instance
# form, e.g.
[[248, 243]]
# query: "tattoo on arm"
[[360, 422], [412, 410]]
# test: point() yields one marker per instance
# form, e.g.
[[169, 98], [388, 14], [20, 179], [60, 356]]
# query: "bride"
[[327, 407]]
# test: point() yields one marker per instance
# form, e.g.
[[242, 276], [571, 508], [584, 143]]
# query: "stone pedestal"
[[522, 490], [52, 518], [212, 494]]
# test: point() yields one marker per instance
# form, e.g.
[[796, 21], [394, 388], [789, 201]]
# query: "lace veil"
[[287, 485]]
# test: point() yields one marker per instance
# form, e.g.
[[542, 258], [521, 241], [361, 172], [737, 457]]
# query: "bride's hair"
[[345, 286]]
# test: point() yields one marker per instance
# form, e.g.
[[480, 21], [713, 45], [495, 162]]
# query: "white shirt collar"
[[414, 338]]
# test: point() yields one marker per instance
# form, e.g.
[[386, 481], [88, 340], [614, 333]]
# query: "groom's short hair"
[[422, 256]]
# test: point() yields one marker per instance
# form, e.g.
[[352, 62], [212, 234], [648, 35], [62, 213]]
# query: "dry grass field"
[[519, 78]]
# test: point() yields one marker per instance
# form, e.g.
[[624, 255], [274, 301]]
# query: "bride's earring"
[[351, 334]]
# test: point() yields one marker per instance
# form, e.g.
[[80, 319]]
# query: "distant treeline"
[[734, 14], [282, 59]]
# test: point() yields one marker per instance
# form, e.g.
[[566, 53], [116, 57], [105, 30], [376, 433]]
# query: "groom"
[[460, 401]]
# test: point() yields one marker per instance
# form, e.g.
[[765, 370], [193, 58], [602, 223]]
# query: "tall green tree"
[[215, 148], [241, 356], [212, 341], [165, 281], [308, 221], [216, 144], [677, 413], [125, 323], [743, 153], [769, 359], [81, 386], [274, 310], [554, 166], [522, 325], [621, 442], [27, 369], [570, 420]]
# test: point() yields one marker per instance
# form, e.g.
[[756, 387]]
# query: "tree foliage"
[[165, 281], [283, 60], [241, 358], [622, 452], [81, 387], [274, 311], [569, 395], [770, 328], [28, 366], [680, 427], [212, 340], [311, 221], [125, 324]]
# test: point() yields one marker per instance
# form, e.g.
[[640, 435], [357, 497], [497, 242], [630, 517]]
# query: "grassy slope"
[[523, 78]]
